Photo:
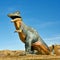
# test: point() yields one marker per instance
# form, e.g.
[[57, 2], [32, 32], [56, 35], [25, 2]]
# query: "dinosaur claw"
[[18, 30]]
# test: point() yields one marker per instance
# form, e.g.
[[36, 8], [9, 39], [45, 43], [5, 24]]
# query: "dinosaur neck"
[[24, 27]]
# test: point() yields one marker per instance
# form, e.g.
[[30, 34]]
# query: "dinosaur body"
[[30, 37]]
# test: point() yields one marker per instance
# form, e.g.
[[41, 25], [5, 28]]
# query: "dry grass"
[[16, 55], [31, 57]]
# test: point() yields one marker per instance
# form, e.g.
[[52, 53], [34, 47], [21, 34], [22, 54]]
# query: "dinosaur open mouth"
[[13, 17]]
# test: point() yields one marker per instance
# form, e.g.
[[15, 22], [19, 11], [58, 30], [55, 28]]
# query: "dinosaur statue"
[[29, 36]]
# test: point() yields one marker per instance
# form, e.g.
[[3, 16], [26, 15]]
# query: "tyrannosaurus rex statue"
[[29, 36]]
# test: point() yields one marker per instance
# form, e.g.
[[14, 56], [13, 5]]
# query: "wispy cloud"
[[47, 24], [53, 40]]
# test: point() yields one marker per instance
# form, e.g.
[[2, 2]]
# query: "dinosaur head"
[[16, 18]]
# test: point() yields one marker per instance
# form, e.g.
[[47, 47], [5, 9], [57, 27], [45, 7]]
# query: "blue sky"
[[43, 15]]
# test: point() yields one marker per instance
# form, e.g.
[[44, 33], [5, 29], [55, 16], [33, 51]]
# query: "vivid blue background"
[[43, 15]]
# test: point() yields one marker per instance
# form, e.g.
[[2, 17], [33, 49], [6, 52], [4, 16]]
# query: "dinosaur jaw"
[[16, 19]]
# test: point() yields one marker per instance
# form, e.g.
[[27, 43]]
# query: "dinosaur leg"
[[33, 50], [43, 48], [28, 45]]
